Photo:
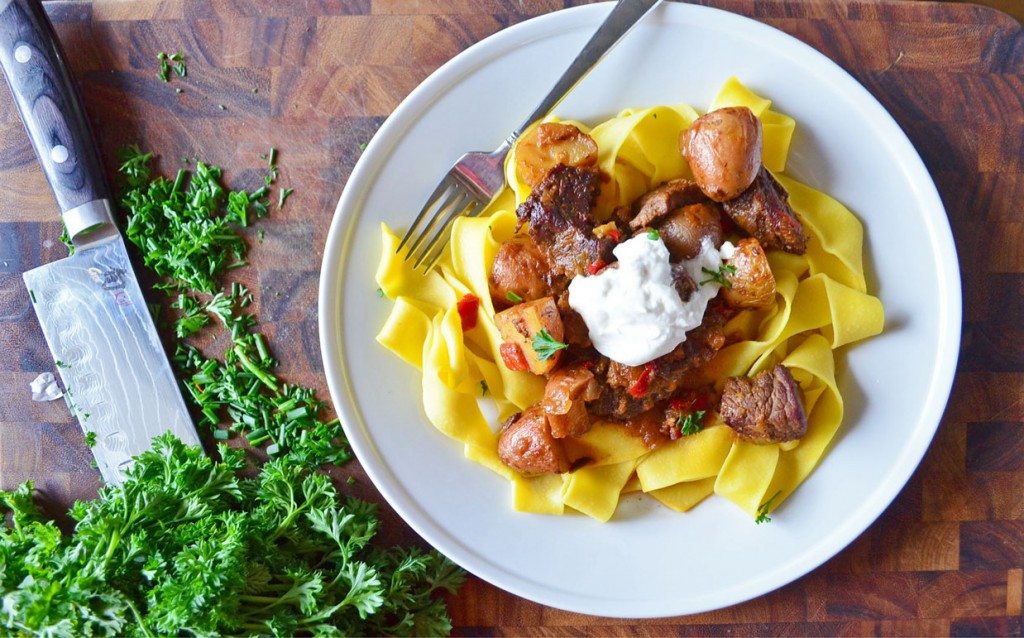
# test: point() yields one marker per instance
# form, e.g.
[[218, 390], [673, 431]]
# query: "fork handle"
[[622, 18]]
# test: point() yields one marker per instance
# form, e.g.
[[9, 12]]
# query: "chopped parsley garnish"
[[174, 62], [762, 512], [692, 423], [181, 226], [192, 319], [61, 364], [187, 232], [90, 438], [513, 297], [362, 146], [546, 346], [282, 195], [32, 293], [720, 276], [653, 235]]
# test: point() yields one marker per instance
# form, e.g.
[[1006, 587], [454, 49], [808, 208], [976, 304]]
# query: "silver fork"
[[474, 180]]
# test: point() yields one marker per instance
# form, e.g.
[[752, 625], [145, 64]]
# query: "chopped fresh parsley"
[[181, 226], [720, 276], [191, 319], [762, 512], [174, 62], [61, 364], [692, 423], [90, 438], [282, 195], [653, 235], [513, 297], [191, 545], [546, 346]]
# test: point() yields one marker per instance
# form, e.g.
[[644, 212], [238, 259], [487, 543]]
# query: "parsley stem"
[[247, 363], [179, 180]]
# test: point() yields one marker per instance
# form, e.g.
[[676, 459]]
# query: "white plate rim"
[[329, 315]]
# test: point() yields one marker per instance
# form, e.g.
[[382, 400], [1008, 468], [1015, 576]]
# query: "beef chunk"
[[685, 229], [526, 445], [576, 332], [664, 199], [684, 283], [561, 222], [668, 373], [765, 409], [763, 211]]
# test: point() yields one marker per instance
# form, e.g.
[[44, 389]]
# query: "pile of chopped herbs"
[[187, 230], [189, 545], [186, 546]]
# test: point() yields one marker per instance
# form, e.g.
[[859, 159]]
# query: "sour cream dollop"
[[633, 312]]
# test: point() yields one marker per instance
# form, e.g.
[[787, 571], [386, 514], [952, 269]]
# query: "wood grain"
[[946, 558]]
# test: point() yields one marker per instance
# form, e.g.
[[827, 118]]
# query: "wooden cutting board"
[[947, 556]]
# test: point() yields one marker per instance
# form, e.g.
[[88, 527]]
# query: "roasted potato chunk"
[[723, 148], [684, 229], [547, 145], [751, 284], [518, 273], [522, 325], [526, 445], [565, 397]]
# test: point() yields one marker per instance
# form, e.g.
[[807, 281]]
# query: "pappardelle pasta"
[[714, 374]]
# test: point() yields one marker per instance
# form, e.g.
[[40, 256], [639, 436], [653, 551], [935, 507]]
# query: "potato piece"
[[723, 148], [752, 284], [565, 397], [526, 445], [521, 324], [518, 273], [684, 229], [550, 144]]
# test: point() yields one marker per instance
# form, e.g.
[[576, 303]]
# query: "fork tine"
[[450, 198], [473, 211], [455, 210], [434, 197]]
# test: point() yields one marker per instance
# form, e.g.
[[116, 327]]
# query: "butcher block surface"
[[316, 78]]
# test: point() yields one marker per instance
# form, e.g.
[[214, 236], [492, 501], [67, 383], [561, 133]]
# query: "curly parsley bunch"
[[189, 546]]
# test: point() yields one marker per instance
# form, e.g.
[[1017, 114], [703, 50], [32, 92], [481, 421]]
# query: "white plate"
[[648, 561]]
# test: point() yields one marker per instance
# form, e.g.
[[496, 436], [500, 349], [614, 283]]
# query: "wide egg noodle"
[[821, 305]]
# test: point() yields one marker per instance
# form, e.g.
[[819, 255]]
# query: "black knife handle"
[[44, 91]]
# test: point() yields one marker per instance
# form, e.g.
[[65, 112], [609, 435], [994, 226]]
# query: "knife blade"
[[116, 375]]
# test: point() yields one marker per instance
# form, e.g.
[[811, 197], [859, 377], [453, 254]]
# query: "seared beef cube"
[[562, 224], [763, 211], [767, 408]]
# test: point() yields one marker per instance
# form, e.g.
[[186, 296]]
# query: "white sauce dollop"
[[632, 311]]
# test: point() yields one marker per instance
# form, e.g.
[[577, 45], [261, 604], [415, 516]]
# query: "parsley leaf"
[[762, 512], [692, 423], [546, 346], [513, 297], [653, 235], [720, 276]]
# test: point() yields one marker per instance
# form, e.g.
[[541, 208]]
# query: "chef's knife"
[[116, 375]]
